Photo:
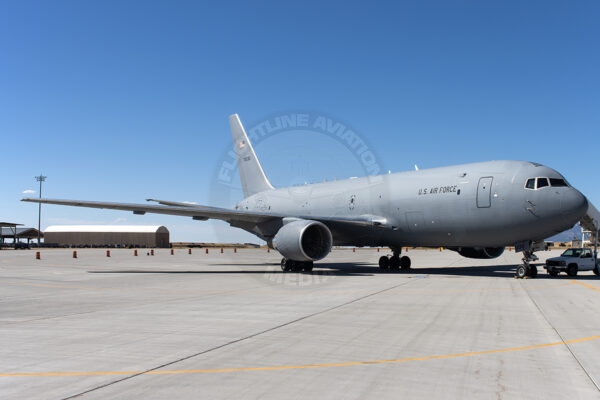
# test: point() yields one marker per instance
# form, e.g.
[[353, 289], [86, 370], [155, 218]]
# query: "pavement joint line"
[[162, 367], [301, 366], [566, 342]]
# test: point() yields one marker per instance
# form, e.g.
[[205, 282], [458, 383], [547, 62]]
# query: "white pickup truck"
[[572, 261]]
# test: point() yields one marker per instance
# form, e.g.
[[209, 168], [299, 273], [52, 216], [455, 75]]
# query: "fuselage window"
[[542, 182], [558, 182], [530, 183]]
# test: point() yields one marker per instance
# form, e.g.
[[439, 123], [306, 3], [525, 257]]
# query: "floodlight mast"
[[41, 178]]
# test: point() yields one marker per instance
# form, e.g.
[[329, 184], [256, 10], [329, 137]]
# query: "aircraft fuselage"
[[479, 204]]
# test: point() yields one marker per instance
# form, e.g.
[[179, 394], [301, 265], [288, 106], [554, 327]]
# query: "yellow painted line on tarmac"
[[296, 367], [587, 285]]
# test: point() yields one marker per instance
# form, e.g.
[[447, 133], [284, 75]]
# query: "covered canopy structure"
[[107, 235], [12, 231]]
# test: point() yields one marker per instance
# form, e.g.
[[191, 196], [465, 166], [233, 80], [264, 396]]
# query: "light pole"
[[41, 178]]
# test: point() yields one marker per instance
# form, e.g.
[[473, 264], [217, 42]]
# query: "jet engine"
[[479, 252], [303, 240]]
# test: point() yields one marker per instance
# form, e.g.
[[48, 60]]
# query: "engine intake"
[[480, 252], [303, 240]]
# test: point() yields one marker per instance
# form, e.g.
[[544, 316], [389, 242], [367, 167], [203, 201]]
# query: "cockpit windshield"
[[558, 182], [538, 183]]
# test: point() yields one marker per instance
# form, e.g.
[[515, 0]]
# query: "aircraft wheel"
[[395, 262], [521, 271], [308, 266], [572, 270], [405, 262], [298, 266], [384, 262], [284, 265], [552, 272], [533, 272], [290, 265]]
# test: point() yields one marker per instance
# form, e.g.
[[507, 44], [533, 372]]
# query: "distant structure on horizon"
[[107, 236]]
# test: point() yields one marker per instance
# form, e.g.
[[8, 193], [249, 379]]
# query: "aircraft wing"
[[182, 209], [173, 203], [267, 223]]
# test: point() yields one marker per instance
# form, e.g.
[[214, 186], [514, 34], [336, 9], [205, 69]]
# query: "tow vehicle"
[[572, 261]]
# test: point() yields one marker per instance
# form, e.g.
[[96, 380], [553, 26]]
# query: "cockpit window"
[[538, 183], [558, 182], [530, 183], [542, 182]]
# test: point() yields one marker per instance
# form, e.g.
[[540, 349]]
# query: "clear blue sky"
[[125, 100]]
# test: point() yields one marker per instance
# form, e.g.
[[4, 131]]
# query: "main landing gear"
[[394, 262], [527, 269], [296, 266]]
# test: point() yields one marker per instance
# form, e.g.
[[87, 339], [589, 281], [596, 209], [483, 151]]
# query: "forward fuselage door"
[[484, 192]]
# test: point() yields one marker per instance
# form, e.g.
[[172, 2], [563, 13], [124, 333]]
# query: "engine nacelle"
[[303, 240], [480, 252]]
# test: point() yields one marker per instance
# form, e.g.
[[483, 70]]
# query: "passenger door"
[[484, 192]]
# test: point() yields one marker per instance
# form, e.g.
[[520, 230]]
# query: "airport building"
[[107, 236], [19, 237]]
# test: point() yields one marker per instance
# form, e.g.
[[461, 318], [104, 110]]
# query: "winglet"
[[251, 173]]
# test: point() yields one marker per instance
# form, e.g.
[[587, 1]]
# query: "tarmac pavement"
[[232, 325]]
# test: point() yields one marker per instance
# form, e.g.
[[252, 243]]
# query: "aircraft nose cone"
[[574, 205]]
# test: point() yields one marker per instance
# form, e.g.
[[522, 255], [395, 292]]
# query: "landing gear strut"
[[288, 265], [395, 262], [527, 269]]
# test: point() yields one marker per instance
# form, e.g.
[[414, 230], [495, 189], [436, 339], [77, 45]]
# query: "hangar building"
[[107, 235]]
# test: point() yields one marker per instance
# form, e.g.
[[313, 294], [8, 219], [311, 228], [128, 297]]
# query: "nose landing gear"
[[527, 269]]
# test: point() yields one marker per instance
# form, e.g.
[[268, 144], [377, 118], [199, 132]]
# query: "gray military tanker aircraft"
[[474, 209]]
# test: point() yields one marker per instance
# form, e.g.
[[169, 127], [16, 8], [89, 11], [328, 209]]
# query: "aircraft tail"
[[251, 173]]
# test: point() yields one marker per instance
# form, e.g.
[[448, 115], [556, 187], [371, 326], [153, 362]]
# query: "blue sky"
[[125, 100]]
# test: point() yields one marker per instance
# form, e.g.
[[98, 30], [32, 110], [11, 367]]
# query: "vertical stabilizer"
[[251, 173]]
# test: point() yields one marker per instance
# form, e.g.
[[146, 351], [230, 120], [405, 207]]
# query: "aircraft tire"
[[308, 266], [284, 265], [297, 266], [533, 272], [292, 266], [521, 271], [405, 262], [395, 262], [572, 270], [384, 262]]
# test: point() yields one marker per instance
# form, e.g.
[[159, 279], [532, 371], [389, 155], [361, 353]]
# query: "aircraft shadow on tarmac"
[[498, 271], [349, 270], [354, 269], [495, 271]]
